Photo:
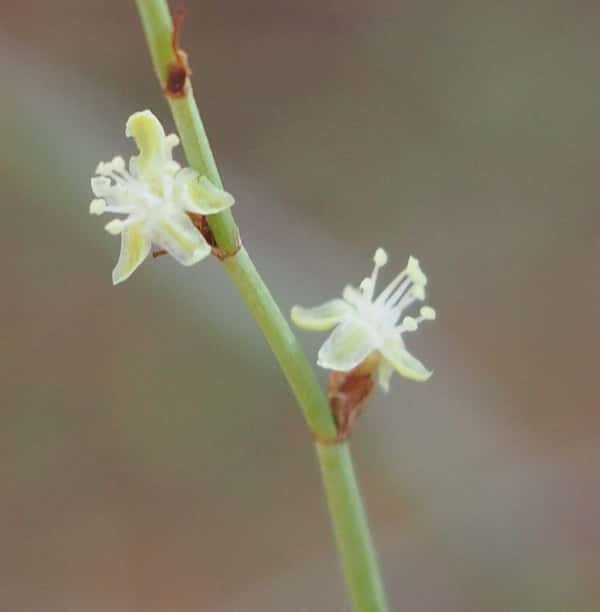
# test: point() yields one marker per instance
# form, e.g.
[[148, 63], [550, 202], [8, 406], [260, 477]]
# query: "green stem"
[[359, 560], [300, 375]]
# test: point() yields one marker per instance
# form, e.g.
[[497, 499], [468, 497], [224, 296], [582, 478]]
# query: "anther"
[[409, 324], [118, 164], [427, 313], [97, 206], [380, 257], [413, 269], [115, 227]]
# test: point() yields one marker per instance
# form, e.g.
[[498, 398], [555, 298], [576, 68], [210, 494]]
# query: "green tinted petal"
[[178, 236], [320, 318], [135, 246], [349, 344], [198, 195], [403, 362], [150, 138]]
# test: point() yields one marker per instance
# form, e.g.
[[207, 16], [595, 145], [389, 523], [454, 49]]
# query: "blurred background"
[[151, 455]]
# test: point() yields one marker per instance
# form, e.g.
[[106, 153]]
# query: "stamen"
[[366, 286], [427, 313], [118, 210], [100, 185], [398, 293], [409, 324], [385, 294], [120, 175], [115, 227], [414, 294], [171, 141], [380, 258], [352, 296], [118, 164], [419, 292], [100, 168], [413, 269], [97, 206]]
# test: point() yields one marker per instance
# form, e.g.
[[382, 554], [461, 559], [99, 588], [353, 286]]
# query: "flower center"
[[384, 314], [124, 193]]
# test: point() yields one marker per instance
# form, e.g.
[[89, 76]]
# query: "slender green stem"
[[359, 560], [358, 555], [300, 375]]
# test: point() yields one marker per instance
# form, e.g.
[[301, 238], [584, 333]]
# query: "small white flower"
[[155, 194], [366, 324]]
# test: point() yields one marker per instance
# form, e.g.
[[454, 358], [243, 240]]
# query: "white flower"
[[367, 325], [155, 194]]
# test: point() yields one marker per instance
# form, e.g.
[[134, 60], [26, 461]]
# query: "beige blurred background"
[[151, 456]]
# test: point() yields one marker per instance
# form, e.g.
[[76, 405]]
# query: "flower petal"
[[403, 362], [349, 344], [384, 373], [178, 236], [198, 195], [150, 138], [135, 246], [320, 318]]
